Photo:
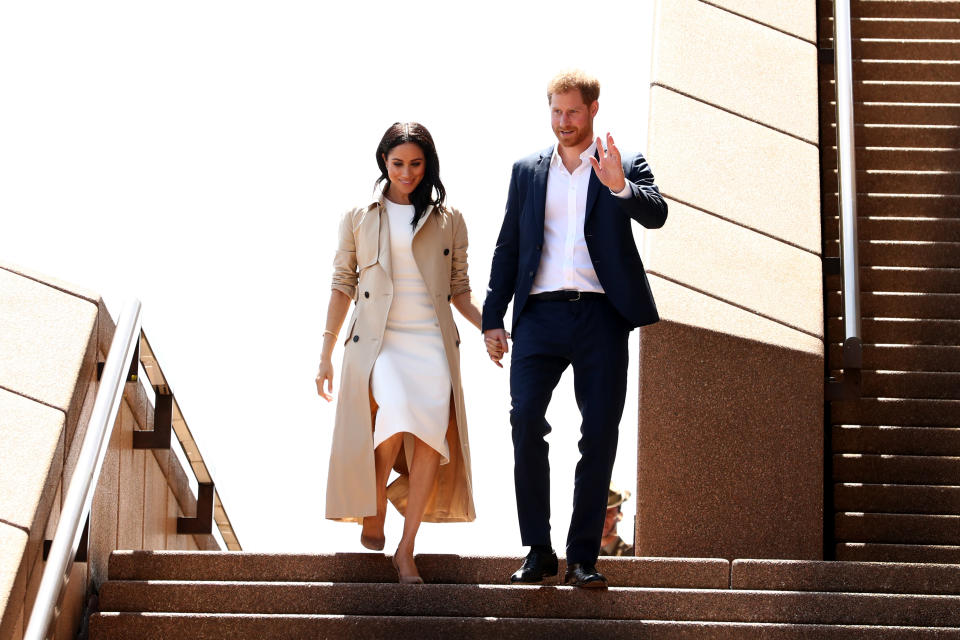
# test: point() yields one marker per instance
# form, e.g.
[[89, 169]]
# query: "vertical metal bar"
[[847, 175]]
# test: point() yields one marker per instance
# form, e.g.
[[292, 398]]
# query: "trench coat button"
[[448, 298], [458, 343], [446, 252], [366, 294], [356, 338]]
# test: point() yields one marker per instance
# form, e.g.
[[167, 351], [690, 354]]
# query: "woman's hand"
[[496, 342], [325, 374]]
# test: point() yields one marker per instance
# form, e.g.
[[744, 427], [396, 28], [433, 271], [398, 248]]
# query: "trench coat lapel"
[[423, 220]]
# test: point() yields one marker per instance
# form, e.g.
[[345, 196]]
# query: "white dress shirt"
[[565, 261]]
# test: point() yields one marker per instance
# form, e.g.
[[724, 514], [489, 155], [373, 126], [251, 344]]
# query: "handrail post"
[[79, 496], [847, 188]]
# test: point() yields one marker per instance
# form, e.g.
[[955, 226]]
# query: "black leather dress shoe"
[[537, 566], [585, 576]]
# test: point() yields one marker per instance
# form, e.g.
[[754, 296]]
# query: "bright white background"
[[197, 155]]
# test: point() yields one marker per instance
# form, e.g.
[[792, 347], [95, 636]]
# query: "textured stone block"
[[31, 457], [47, 342], [796, 18], [730, 459], [132, 483], [155, 504], [738, 65], [13, 545], [735, 168], [739, 266]]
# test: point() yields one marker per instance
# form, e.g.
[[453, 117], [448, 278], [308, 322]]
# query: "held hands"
[[325, 373], [496, 343], [609, 168]]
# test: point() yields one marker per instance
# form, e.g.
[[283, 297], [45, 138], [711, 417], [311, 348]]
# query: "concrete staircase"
[[205, 595], [896, 451]]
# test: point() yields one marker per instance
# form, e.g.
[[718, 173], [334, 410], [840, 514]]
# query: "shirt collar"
[[556, 160]]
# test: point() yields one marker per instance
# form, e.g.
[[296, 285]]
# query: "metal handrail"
[[76, 504], [852, 359]]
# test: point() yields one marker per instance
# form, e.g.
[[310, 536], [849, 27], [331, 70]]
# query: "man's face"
[[610, 522], [572, 119]]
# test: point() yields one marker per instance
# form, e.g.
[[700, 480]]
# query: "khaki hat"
[[616, 497]]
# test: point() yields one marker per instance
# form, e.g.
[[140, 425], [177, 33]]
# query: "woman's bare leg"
[[423, 472], [384, 455]]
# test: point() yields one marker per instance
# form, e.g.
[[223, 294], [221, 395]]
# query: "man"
[[611, 544], [567, 258]]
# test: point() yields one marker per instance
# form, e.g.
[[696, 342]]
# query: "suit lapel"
[[593, 190], [540, 173]]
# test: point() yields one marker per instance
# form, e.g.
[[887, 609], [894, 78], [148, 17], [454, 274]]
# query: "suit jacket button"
[[356, 338], [531, 274], [446, 252], [366, 294]]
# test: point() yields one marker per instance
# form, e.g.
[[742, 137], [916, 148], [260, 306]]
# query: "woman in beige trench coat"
[[356, 485]]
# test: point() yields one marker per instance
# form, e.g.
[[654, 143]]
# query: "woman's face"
[[406, 166]]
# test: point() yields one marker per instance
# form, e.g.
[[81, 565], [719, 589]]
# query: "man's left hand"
[[609, 169]]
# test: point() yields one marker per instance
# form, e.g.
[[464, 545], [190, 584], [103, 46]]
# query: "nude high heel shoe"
[[405, 579]]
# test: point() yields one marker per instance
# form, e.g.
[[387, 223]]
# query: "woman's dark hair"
[[401, 133]]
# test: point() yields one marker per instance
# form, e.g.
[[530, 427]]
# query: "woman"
[[403, 260]]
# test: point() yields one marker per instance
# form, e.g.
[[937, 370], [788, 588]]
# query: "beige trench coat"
[[362, 271]]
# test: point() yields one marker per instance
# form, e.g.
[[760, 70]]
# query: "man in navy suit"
[[567, 258]]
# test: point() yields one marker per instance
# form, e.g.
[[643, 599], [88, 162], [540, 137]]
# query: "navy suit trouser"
[[590, 335]]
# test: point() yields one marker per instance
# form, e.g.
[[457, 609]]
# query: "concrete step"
[[897, 498], [940, 136], [869, 552], [912, 182], [906, 91], [901, 253], [896, 528], [897, 411], [911, 384], [905, 9], [903, 229], [163, 626], [618, 603], [884, 439], [902, 280], [904, 358], [894, 331], [899, 158], [900, 48], [912, 70], [896, 469], [862, 577], [944, 28], [944, 306], [912, 112], [898, 205], [700, 573]]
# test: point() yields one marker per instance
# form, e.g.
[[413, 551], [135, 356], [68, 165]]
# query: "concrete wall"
[[51, 337], [731, 385]]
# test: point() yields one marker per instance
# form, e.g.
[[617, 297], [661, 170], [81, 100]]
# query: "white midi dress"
[[410, 380]]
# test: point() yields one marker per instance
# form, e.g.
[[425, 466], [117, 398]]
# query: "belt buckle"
[[577, 299]]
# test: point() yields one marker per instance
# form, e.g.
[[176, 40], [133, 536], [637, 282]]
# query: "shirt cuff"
[[626, 192]]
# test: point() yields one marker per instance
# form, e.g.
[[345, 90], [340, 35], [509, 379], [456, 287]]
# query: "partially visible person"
[[402, 259], [611, 544]]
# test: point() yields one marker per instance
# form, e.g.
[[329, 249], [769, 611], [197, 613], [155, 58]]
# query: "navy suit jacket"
[[606, 231]]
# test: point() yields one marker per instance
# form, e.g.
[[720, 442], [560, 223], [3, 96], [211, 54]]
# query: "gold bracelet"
[[325, 331]]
